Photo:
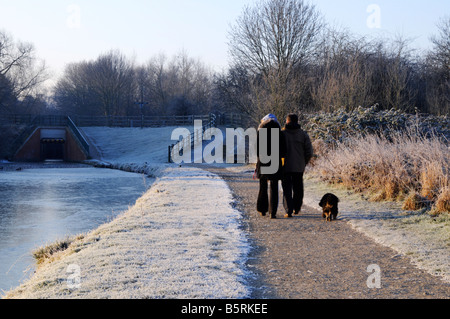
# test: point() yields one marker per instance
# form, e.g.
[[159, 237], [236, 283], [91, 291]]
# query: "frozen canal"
[[39, 206]]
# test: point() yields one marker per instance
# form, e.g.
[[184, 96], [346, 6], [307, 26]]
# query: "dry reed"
[[390, 168]]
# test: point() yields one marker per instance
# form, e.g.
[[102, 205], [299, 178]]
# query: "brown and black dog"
[[329, 204]]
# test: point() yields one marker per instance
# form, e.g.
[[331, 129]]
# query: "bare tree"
[[157, 84], [438, 70], [399, 93], [272, 41], [340, 71], [105, 86], [181, 85], [72, 93], [351, 71], [112, 81], [21, 72], [441, 52]]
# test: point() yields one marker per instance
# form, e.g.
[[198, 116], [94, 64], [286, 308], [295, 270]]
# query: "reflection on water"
[[39, 206]]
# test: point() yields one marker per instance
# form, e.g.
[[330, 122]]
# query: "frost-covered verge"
[[182, 239], [425, 239], [131, 145], [136, 150], [386, 154]]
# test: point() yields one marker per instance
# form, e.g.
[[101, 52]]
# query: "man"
[[299, 152], [268, 196]]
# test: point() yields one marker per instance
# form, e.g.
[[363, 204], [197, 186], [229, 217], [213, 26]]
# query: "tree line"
[[283, 58], [112, 85]]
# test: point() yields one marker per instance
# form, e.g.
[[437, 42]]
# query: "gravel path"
[[307, 258]]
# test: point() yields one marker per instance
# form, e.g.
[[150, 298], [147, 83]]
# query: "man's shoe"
[[262, 214], [288, 216]]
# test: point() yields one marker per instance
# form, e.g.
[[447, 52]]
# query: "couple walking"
[[295, 152]]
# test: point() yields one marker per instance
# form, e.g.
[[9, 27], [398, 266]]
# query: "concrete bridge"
[[50, 137]]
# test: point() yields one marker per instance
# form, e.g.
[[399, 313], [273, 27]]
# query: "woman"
[[268, 197]]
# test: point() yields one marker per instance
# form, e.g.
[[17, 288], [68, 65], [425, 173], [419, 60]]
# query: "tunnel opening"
[[47, 140], [52, 149]]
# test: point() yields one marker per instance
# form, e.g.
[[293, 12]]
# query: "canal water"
[[42, 205]]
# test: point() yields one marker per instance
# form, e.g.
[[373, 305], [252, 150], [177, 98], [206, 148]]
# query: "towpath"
[[307, 258]]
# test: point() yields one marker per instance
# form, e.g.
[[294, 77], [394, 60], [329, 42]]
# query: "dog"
[[329, 204]]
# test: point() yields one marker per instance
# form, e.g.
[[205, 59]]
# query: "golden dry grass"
[[390, 168], [47, 252], [442, 204], [414, 202]]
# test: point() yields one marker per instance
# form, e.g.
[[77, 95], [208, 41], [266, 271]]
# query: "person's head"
[[269, 117], [292, 119]]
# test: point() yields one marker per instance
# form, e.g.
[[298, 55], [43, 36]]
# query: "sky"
[[65, 31]]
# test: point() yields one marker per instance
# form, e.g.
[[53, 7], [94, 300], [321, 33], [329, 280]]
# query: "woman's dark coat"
[[270, 124]]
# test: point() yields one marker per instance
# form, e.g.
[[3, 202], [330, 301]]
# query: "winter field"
[[184, 239]]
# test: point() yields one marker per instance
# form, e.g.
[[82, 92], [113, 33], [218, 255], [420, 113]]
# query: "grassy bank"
[[408, 162], [165, 246]]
